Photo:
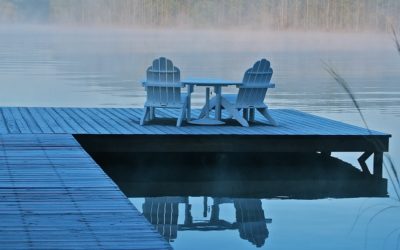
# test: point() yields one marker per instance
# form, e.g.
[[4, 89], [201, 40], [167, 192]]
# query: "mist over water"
[[85, 62], [91, 67]]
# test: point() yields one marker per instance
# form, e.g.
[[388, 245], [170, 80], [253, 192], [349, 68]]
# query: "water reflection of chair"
[[163, 213], [251, 220]]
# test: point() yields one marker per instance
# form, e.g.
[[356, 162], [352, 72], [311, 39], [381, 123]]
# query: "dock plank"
[[63, 204], [132, 118], [72, 116], [9, 121], [55, 127], [20, 121], [93, 121], [65, 127], [108, 123], [3, 124], [74, 126], [34, 127], [123, 123], [44, 126]]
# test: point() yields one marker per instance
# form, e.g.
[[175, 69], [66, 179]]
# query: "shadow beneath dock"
[[252, 175]]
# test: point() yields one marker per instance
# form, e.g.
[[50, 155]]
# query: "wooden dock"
[[54, 196]]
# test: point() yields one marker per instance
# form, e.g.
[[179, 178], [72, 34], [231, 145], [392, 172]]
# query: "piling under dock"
[[53, 195]]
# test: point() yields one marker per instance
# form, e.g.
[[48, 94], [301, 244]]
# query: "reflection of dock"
[[300, 176], [250, 221]]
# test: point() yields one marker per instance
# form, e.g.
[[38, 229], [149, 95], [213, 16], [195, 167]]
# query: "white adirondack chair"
[[163, 89], [251, 95]]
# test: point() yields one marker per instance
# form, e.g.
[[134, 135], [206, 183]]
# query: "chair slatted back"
[[259, 75], [163, 214], [163, 84]]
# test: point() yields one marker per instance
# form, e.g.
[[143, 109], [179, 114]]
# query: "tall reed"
[[396, 40], [388, 164]]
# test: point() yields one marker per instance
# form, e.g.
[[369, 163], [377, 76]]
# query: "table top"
[[209, 82]]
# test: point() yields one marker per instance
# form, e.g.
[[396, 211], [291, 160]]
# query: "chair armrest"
[[160, 84], [256, 86]]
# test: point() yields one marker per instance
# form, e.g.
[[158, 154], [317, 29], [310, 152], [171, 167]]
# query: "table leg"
[[206, 120], [152, 114], [218, 103], [189, 103], [207, 102]]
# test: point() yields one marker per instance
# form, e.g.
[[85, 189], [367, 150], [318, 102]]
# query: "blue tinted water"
[[87, 67]]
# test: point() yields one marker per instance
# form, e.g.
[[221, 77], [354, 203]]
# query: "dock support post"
[[152, 113], [205, 206], [378, 162], [326, 153], [362, 160]]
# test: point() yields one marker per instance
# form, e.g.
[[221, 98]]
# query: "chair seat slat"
[[164, 71], [158, 84], [259, 73]]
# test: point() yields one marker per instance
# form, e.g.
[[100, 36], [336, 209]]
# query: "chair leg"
[[188, 114], [234, 112], [211, 106], [266, 114], [183, 115], [145, 115], [252, 115], [180, 118], [152, 114], [246, 114]]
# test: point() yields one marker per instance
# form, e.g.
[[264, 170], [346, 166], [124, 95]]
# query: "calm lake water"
[[102, 68]]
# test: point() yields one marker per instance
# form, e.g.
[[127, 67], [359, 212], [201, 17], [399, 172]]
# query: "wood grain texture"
[[54, 196], [126, 121]]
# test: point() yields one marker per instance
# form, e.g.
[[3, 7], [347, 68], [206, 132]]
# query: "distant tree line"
[[336, 15], [24, 10]]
